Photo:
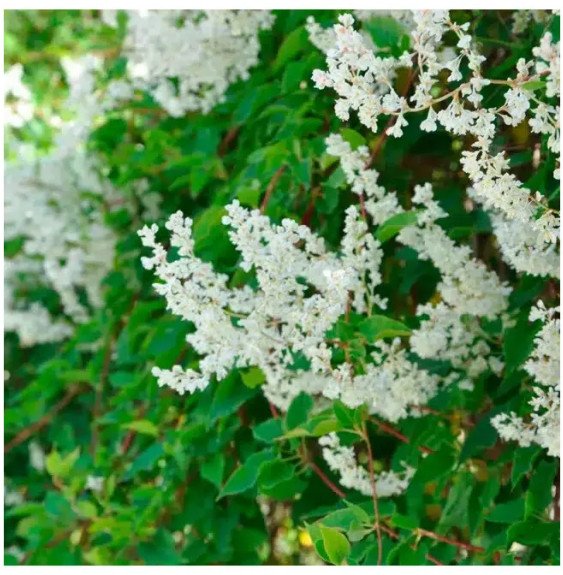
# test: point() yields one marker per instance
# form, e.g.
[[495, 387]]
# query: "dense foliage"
[[353, 322]]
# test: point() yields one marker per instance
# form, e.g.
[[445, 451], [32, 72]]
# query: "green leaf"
[[317, 538], [404, 554], [351, 517], [404, 522], [273, 472], [59, 466], [212, 469], [522, 462], [534, 85], [302, 170], [295, 42], [385, 31], [344, 414], [379, 326], [298, 410], [277, 479], [391, 227], [145, 460], [297, 432], [268, 430], [519, 342], [229, 396], [58, 507], [508, 512], [336, 545], [456, 509], [252, 377], [538, 496], [435, 465], [482, 436], [348, 418], [246, 475], [532, 532], [87, 509], [324, 426], [142, 426], [354, 138], [160, 550]]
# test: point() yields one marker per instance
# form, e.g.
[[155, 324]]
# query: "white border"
[[249, 4], [285, 5]]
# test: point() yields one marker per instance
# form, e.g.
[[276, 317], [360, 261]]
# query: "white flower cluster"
[[62, 233], [322, 38], [364, 83], [52, 206], [342, 460], [542, 424], [86, 100], [56, 205], [32, 323], [523, 249], [301, 290], [360, 78], [18, 100], [377, 201], [404, 17], [267, 327], [468, 290], [521, 19], [526, 229], [188, 58], [466, 283], [392, 387]]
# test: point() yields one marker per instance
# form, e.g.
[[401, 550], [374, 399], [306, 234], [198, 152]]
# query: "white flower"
[[36, 456], [94, 483], [541, 426], [342, 460], [188, 58], [18, 100]]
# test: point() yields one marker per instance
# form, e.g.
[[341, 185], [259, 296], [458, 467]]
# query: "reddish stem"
[[395, 433], [458, 544], [271, 186], [273, 410], [326, 480], [27, 432]]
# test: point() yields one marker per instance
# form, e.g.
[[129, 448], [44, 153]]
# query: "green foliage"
[[136, 474]]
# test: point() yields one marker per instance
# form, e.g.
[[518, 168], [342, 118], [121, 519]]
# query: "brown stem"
[[326, 480], [130, 435], [227, 140], [104, 374], [380, 142], [275, 413], [363, 207], [395, 535], [55, 541], [32, 429], [395, 433], [442, 539], [390, 122], [127, 441], [307, 216], [271, 186], [98, 401], [377, 524]]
